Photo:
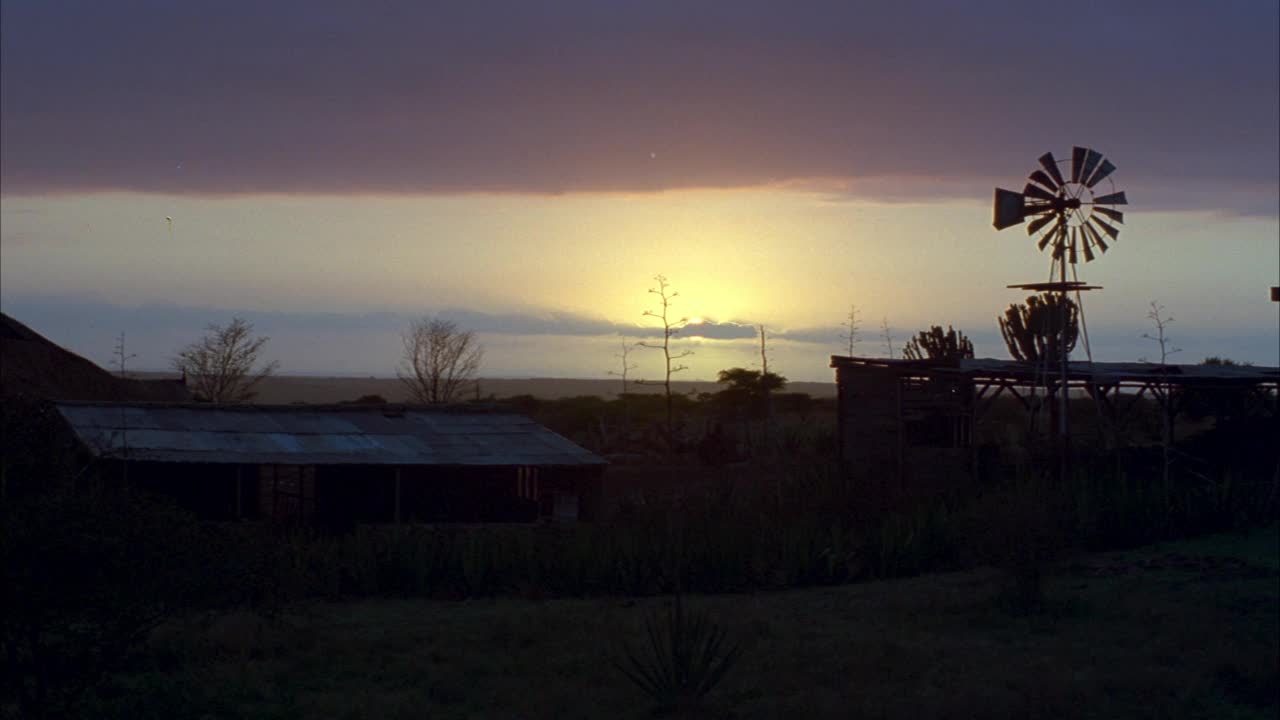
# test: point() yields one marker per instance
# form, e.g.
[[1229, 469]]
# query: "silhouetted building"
[[33, 366], [915, 424], [337, 466]]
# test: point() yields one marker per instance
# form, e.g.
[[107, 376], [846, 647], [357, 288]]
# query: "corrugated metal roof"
[[384, 435], [1100, 372]]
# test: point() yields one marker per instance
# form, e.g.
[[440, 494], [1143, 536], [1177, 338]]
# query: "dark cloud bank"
[[72, 314], [321, 96]]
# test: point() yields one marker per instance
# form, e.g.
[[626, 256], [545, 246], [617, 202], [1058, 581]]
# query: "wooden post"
[[397, 495]]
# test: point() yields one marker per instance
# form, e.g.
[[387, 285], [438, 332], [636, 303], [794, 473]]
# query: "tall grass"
[[794, 527]]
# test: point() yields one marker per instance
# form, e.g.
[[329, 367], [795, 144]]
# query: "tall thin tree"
[[120, 356], [766, 389], [887, 335], [671, 359], [851, 327], [121, 359], [1163, 391], [624, 364]]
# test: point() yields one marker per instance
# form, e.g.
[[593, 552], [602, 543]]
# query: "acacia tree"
[[440, 360], [747, 391], [1033, 330], [670, 328], [220, 367], [934, 344]]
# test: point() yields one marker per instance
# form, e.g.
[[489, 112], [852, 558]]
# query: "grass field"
[[1181, 630]]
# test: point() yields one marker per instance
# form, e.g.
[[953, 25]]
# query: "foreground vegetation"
[[1182, 630], [114, 603], [118, 604]]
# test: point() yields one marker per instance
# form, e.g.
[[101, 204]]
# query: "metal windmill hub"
[[1061, 206]]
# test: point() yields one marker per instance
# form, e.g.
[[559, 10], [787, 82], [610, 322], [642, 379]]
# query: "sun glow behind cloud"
[[792, 260]]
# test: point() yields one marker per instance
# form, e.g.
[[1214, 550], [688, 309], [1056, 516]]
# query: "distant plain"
[[286, 389]]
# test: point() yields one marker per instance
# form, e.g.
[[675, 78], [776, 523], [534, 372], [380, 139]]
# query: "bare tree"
[[767, 389], [1161, 321], [1163, 391], [440, 360], [121, 360], [219, 367], [669, 329], [851, 326], [121, 356], [626, 365], [888, 337]]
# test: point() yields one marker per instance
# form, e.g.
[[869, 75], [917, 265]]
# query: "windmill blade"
[[1077, 159], [1035, 225], [1110, 230], [1115, 215], [1104, 170], [1037, 192], [1010, 208], [1095, 237], [1091, 159], [1050, 166], [1052, 236], [1045, 238], [1036, 207], [1071, 248], [1087, 247], [1112, 199], [1040, 177]]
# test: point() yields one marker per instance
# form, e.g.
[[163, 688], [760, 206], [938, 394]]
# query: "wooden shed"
[[342, 465], [914, 422]]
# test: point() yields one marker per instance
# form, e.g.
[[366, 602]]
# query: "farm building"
[[336, 466], [33, 366], [915, 421]]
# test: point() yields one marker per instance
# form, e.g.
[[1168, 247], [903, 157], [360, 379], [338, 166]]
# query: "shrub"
[[87, 575]]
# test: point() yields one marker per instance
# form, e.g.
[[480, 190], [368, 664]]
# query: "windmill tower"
[[1069, 206]]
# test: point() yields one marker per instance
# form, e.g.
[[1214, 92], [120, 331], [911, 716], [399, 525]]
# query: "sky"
[[331, 171]]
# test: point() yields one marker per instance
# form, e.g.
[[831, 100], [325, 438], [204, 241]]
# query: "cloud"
[[532, 342], [87, 313], [322, 97], [713, 330]]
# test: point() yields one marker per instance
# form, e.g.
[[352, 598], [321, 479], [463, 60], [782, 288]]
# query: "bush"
[[87, 575]]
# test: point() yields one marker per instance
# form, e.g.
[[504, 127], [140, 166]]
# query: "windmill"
[[1070, 208]]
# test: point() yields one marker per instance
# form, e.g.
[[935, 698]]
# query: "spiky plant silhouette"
[[682, 657]]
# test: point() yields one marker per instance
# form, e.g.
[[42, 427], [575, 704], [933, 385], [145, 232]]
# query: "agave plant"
[[684, 656]]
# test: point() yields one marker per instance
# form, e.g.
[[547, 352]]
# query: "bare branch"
[[852, 327], [669, 330], [219, 367], [440, 361]]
